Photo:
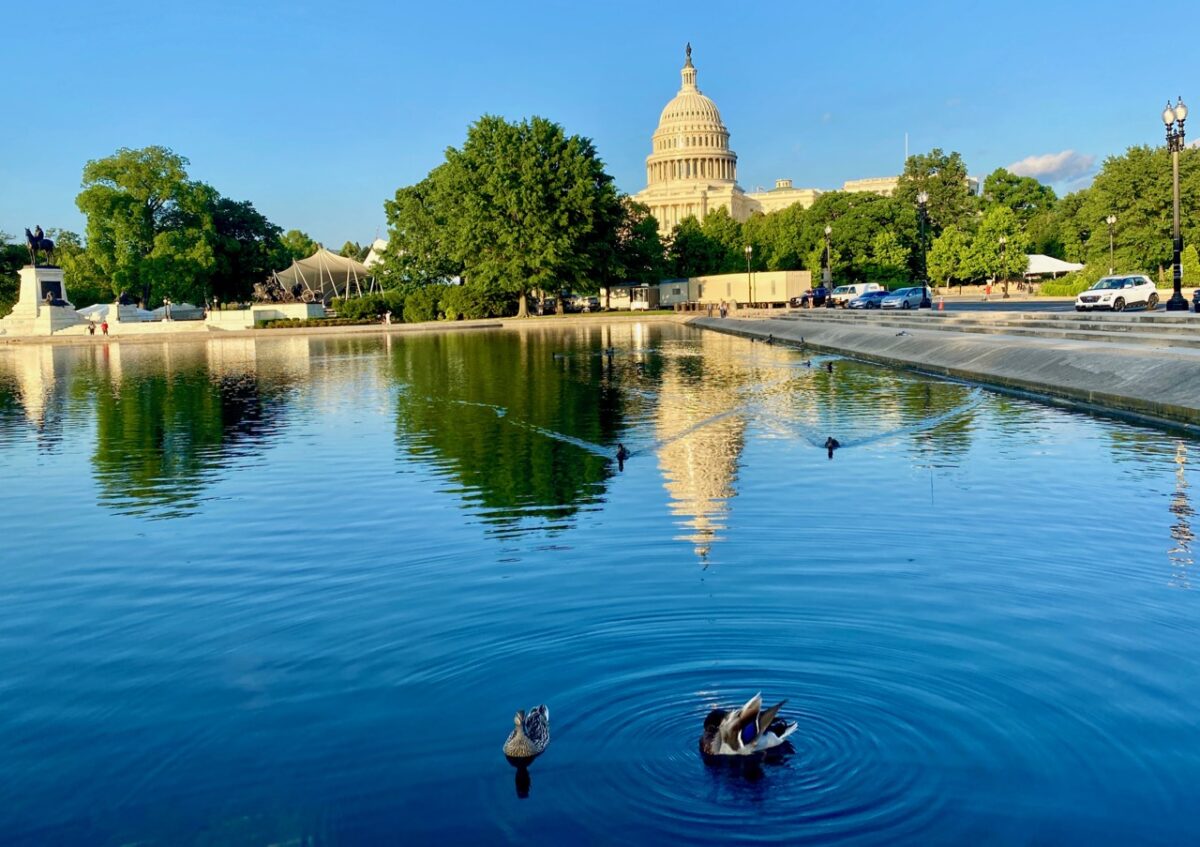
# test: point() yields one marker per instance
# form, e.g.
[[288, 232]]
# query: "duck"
[[558, 357], [622, 453], [745, 731], [610, 351], [529, 738]]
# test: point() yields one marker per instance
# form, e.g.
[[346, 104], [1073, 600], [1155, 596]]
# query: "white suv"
[[1118, 293]]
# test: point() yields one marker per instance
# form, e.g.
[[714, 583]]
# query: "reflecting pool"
[[291, 591]]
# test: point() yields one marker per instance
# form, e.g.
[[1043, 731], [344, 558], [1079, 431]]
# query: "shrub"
[[367, 306], [1072, 283], [421, 305]]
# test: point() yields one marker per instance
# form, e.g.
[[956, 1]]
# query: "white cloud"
[[1055, 167]]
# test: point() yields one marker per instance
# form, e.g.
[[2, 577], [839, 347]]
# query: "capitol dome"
[[691, 144]]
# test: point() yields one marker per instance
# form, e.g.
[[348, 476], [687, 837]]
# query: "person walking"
[[91, 327], [104, 327]]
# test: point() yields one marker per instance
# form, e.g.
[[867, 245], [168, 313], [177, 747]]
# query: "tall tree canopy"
[[1024, 195], [149, 226], [298, 244], [944, 177], [154, 232], [520, 207]]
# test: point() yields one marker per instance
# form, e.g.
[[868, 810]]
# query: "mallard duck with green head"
[[745, 731]]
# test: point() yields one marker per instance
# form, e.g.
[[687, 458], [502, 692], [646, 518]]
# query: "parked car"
[[870, 300], [590, 304], [1196, 300], [1117, 293], [843, 294], [813, 297], [905, 298]]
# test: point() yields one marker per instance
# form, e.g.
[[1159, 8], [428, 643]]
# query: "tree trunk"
[[522, 309]]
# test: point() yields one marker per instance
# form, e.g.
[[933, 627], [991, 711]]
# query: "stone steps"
[[1154, 334]]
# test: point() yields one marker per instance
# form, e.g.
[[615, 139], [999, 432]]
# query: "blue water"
[[292, 591]]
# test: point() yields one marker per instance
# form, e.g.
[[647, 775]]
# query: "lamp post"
[[749, 251], [922, 200], [827, 268], [1111, 220], [1004, 262], [1174, 117]]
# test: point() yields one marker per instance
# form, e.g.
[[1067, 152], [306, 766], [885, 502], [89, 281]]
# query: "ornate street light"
[[922, 202], [749, 251], [1004, 262], [827, 268], [1174, 117], [1111, 220]]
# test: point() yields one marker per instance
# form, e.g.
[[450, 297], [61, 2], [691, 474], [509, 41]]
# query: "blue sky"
[[317, 112]]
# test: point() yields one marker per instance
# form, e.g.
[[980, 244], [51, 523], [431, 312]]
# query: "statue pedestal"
[[33, 315]]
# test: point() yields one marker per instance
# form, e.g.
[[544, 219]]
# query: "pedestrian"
[[387, 318], [91, 327], [987, 291], [104, 327]]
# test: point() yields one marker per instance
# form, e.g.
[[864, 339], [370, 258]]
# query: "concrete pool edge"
[[1160, 386]]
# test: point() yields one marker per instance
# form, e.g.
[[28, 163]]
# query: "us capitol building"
[[692, 170]]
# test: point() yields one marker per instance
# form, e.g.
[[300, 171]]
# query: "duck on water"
[[745, 731], [529, 738]]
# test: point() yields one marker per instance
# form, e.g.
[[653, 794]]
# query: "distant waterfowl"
[[902, 332], [829, 366], [610, 351], [744, 731], [622, 453], [770, 338], [559, 356], [529, 738], [808, 363], [831, 444]]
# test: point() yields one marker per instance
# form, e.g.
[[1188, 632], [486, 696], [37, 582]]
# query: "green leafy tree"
[[693, 252], [149, 227], [1136, 187], [1073, 229], [354, 250], [520, 207], [998, 247], [638, 249], [888, 264], [246, 248], [856, 219], [85, 284], [944, 177], [298, 245], [1023, 194], [13, 257], [1190, 260], [778, 239], [419, 249], [726, 235], [949, 257], [1044, 234]]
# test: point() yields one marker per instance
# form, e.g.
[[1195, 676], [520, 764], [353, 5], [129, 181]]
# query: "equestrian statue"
[[36, 241]]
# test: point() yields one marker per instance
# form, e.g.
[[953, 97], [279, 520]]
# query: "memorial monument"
[[42, 307]]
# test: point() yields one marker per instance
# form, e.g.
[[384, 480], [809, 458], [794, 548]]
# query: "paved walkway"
[[1158, 382]]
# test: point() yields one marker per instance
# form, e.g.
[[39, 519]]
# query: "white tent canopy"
[[101, 311], [1040, 265], [327, 275]]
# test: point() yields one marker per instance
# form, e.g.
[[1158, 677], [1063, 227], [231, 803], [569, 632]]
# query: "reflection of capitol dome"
[[700, 469]]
